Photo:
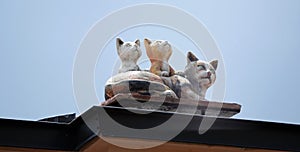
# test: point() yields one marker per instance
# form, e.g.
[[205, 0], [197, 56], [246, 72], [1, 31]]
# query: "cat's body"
[[141, 82], [198, 77], [129, 53], [159, 52]]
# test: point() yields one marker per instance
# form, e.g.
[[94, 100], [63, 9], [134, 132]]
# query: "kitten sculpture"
[[198, 77], [159, 52], [129, 53]]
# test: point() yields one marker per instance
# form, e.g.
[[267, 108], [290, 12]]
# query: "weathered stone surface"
[[141, 82], [210, 108], [134, 75]]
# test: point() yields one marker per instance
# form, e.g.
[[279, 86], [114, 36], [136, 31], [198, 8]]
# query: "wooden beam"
[[15, 149], [101, 145]]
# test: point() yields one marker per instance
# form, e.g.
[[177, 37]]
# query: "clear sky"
[[259, 41]]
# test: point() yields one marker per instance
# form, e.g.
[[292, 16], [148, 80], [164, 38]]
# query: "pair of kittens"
[[192, 83], [158, 51]]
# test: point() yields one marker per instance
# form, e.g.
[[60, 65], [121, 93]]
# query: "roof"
[[62, 118], [74, 135]]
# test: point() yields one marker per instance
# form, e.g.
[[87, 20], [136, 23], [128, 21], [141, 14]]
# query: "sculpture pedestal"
[[208, 108]]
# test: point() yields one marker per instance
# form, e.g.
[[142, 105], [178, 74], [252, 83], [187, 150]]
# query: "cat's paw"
[[170, 94], [180, 73], [164, 73]]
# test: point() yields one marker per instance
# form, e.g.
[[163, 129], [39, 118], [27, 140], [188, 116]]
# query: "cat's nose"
[[208, 74]]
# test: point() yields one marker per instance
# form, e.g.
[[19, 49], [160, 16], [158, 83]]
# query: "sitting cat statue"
[[129, 53], [159, 52], [197, 77]]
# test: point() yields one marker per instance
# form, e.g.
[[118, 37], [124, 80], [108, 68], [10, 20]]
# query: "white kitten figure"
[[197, 77], [201, 74], [129, 53]]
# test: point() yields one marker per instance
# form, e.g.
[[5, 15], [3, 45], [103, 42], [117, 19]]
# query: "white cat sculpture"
[[129, 53], [198, 77]]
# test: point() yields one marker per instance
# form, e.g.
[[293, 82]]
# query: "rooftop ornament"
[[163, 88]]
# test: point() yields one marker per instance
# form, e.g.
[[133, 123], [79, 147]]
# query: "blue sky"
[[259, 41]]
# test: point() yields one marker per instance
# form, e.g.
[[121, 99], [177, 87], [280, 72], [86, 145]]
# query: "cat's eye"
[[201, 67]]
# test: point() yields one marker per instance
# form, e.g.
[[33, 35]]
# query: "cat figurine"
[[129, 53], [159, 52], [197, 77]]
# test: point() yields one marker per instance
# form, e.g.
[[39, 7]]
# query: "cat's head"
[[204, 73], [158, 49], [128, 51]]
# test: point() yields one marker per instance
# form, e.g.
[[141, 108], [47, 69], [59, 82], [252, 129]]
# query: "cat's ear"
[[119, 42], [147, 42], [191, 57], [137, 42], [214, 63]]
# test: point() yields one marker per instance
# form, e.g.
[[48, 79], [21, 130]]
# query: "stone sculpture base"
[[208, 108]]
